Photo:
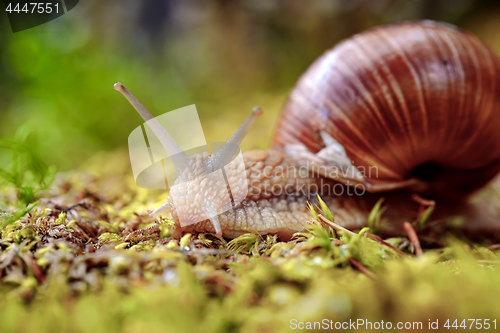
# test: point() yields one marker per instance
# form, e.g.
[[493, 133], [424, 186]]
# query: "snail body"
[[417, 102]]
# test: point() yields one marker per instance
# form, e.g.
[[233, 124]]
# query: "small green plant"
[[375, 218], [326, 212], [245, 243], [425, 216], [25, 171]]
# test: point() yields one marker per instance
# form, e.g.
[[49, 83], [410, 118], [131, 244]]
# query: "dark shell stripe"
[[400, 96]]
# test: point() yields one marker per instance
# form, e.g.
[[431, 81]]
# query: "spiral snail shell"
[[419, 101]]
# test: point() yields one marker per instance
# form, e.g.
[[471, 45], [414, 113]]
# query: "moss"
[[95, 262]]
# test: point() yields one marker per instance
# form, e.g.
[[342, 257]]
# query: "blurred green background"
[[225, 56]]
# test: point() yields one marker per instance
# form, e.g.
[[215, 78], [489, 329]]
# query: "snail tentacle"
[[179, 157], [228, 151]]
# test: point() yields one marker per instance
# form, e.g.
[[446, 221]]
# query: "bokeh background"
[[225, 56]]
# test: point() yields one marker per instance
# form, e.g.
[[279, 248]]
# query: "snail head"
[[207, 184]]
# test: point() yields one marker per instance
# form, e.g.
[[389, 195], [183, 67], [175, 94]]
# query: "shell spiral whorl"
[[417, 100]]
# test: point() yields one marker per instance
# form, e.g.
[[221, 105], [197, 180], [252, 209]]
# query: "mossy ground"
[[87, 259]]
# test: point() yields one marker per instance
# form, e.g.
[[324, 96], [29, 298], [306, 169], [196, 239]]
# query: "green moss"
[[98, 267]]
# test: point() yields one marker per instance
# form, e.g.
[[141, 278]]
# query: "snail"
[[406, 108]]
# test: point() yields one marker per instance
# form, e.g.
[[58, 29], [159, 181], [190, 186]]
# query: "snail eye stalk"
[[179, 157], [226, 153]]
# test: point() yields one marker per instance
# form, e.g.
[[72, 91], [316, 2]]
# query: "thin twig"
[[383, 242], [424, 203], [362, 268], [369, 235], [489, 261], [412, 236], [139, 234], [316, 222], [494, 247], [37, 271], [335, 226]]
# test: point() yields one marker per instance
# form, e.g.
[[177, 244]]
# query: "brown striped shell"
[[418, 100]]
